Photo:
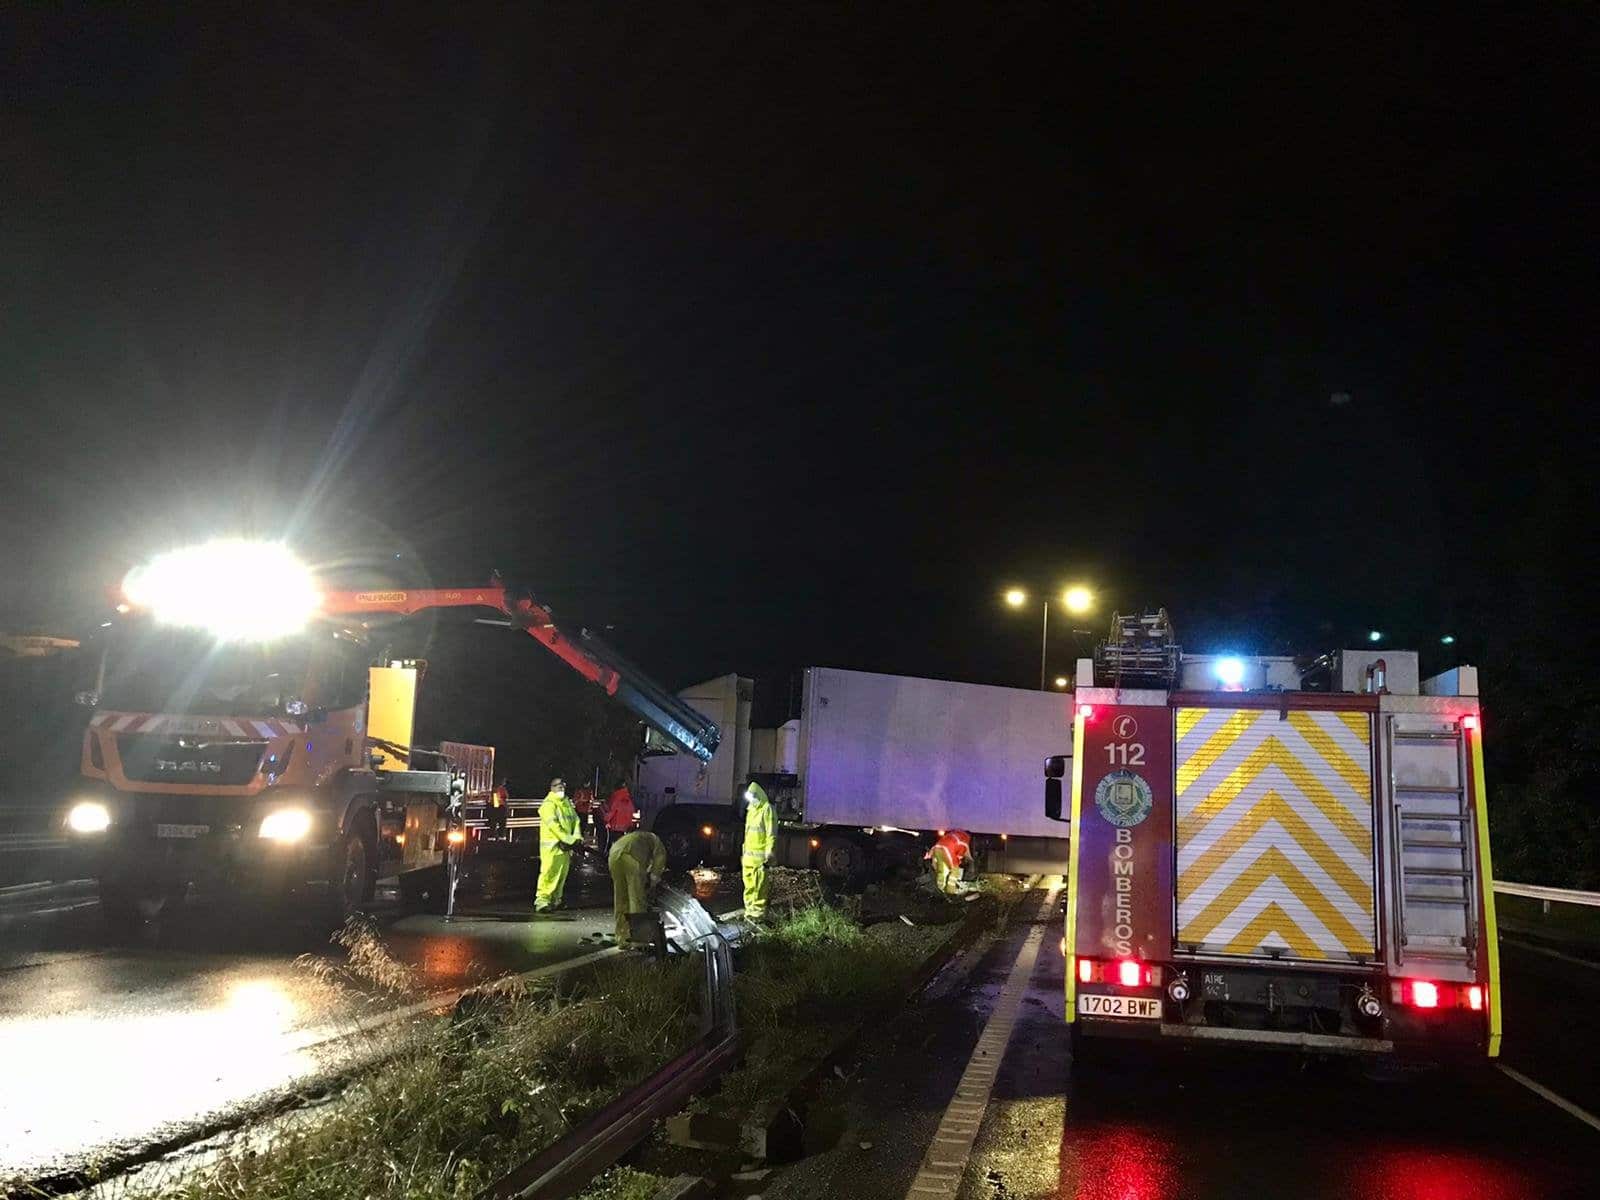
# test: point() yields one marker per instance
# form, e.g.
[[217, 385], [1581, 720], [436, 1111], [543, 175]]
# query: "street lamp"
[[1061, 683], [1078, 600]]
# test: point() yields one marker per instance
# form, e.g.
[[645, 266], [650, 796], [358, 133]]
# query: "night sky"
[[776, 336]]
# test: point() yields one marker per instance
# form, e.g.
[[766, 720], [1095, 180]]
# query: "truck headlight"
[[286, 825], [87, 816]]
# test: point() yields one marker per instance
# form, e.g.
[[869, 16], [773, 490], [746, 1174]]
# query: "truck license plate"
[[1119, 1006], [182, 831]]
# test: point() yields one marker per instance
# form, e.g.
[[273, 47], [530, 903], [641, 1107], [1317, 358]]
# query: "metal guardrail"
[[567, 1167], [11, 843], [1548, 894]]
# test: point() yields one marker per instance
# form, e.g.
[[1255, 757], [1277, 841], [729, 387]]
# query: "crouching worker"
[[637, 860], [948, 855], [758, 847]]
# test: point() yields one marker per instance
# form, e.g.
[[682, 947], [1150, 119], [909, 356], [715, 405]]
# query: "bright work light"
[[88, 817], [1229, 671], [286, 825], [237, 590]]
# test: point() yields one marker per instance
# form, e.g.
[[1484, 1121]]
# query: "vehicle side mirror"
[[1052, 799], [1055, 767]]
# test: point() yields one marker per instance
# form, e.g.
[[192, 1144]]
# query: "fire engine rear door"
[[1274, 838]]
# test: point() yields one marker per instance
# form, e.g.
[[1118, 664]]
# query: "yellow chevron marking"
[[1273, 807], [1305, 724], [1188, 718], [1215, 746], [1273, 919], [1359, 724], [1273, 863], [1273, 753]]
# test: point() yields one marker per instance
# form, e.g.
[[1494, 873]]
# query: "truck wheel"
[[682, 850], [1082, 1055], [355, 869], [841, 858]]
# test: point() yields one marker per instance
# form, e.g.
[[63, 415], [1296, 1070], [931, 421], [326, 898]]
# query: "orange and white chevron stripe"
[[233, 727], [1275, 832]]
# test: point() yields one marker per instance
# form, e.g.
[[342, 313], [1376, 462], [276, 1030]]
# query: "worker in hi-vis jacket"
[[558, 834], [759, 840]]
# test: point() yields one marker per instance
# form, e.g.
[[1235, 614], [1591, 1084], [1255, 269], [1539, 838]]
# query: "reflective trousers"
[[756, 887], [628, 889], [554, 864]]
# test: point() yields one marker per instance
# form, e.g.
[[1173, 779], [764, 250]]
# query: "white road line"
[[1532, 949], [1544, 1093], [946, 1160]]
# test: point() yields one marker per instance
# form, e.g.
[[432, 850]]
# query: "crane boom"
[[585, 653]]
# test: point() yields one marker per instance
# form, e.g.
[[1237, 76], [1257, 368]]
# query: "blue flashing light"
[[1447, 640], [1229, 671], [1375, 636]]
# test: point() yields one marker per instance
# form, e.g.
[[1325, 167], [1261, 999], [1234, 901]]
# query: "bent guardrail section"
[[564, 1169]]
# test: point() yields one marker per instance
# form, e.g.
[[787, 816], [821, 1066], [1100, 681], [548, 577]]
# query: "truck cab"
[[244, 768]]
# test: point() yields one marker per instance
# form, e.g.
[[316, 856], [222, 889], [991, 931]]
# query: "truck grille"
[[161, 758]]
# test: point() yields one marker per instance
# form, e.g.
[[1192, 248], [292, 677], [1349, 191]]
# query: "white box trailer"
[[874, 768]]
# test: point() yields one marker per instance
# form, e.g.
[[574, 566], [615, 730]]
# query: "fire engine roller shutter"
[[1274, 837]]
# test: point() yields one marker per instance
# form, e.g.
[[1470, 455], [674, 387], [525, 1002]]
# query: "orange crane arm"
[[585, 654]]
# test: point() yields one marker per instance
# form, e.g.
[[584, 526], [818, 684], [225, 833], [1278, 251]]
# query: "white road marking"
[[946, 1160], [1544, 1093]]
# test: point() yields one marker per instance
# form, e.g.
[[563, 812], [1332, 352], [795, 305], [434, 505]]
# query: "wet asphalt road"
[[1160, 1127], [106, 1043]]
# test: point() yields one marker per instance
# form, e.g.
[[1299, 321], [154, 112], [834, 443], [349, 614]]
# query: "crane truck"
[[248, 735], [1265, 856]]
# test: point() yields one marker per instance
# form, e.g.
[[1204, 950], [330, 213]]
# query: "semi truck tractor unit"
[[1273, 857], [246, 740], [872, 770]]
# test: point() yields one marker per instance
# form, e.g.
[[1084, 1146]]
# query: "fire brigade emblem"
[[1123, 798]]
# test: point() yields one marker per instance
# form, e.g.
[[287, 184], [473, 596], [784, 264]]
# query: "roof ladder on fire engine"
[[1436, 909]]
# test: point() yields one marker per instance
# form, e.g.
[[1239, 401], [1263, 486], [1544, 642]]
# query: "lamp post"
[[1077, 599]]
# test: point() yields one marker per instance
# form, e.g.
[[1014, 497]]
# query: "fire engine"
[[248, 736], [1264, 855]]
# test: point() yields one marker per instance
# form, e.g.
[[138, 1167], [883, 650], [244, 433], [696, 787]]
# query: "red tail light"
[[1086, 711], [1475, 998], [1424, 994], [1469, 722], [1128, 973], [1085, 971]]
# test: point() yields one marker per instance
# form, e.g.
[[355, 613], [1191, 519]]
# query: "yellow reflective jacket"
[[645, 848], [558, 823], [759, 822]]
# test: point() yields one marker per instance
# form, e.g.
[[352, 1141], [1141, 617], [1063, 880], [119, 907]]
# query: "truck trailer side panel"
[[928, 754]]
